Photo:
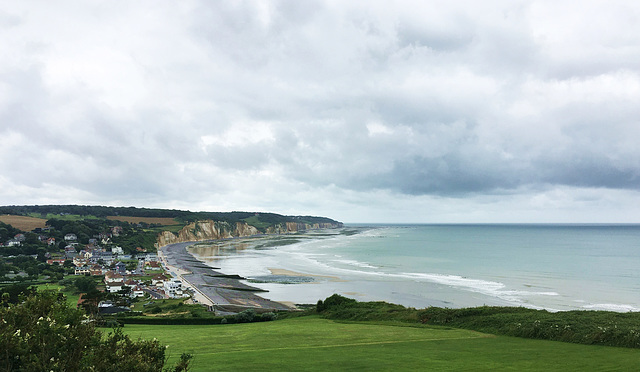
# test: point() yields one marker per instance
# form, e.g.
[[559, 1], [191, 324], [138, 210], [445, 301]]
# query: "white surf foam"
[[611, 307], [355, 263]]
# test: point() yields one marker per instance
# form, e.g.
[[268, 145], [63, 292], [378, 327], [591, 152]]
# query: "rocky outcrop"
[[213, 230]]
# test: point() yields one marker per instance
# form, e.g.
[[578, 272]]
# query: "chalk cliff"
[[211, 230], [291, 227]]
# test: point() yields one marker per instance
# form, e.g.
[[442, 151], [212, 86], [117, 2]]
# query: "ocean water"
[[555, 267]]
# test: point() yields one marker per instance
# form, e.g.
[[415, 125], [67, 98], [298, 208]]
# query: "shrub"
[[266, 317], [336, 300], [246, 316], [42, 333]]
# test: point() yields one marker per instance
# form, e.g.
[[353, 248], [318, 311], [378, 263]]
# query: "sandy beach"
[[286, 272], [224, 292]]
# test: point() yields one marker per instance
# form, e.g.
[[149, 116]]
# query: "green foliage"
[[246, 316], [42, 333], [85, 284], [7, 232], [267, 317], [27, 264], [84, 212], [583, 327], [12, 294], [119, 350]]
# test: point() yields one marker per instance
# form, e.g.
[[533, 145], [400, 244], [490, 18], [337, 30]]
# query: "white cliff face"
[[213, 230], [195, 231]]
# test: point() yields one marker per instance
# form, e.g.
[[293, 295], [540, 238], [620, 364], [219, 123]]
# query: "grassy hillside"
[[312, 343]]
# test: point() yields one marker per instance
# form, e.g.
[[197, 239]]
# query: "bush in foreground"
[[42, 333]]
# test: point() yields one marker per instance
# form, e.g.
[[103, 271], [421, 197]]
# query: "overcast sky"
[[363, 111]]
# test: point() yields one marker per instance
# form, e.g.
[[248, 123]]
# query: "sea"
[[556, 267]]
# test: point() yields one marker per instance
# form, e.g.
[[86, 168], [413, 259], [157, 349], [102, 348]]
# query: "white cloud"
[[409, 111]]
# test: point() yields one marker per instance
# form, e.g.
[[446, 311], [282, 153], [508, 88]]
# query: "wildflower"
[[17, 333]]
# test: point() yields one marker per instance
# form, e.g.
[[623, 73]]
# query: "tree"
[[84, 284], [42, 333]]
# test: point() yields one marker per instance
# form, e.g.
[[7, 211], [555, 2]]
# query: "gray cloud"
[[263, 105]]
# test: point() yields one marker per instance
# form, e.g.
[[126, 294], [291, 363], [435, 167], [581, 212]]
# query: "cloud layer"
[[365, 111]]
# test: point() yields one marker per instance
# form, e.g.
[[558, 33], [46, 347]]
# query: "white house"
[[159, 280], [113, 287], [70, 237], [173, 288], [13, 243], [136, 291]]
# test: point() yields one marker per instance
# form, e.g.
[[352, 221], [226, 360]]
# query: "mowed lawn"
[[312, 343]]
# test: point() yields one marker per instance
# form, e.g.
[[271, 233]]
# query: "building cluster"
[[118, 278], [94, 259]]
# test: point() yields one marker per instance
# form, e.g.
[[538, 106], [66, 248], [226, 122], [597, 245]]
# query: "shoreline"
[[220, 291]]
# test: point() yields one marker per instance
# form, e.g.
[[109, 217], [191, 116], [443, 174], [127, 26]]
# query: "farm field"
[[313, 343], [158, 220], [23, 223]]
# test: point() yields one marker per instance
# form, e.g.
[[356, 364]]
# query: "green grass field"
[[66, 217], [312, 343], [72, 298]]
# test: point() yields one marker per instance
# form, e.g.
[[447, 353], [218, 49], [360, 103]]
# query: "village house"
[[96, 270], [113, 287], [159, 279], [104, 238], [70, 252], [116, 230], [12, 243], [136, 289], [106, 257], [59, 261], [70, 237], [151, 257], [82, 270], [108, 307], [51, 241], [121, 268], [152, 265], [79, 261], [112, 276], [173, 288]]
